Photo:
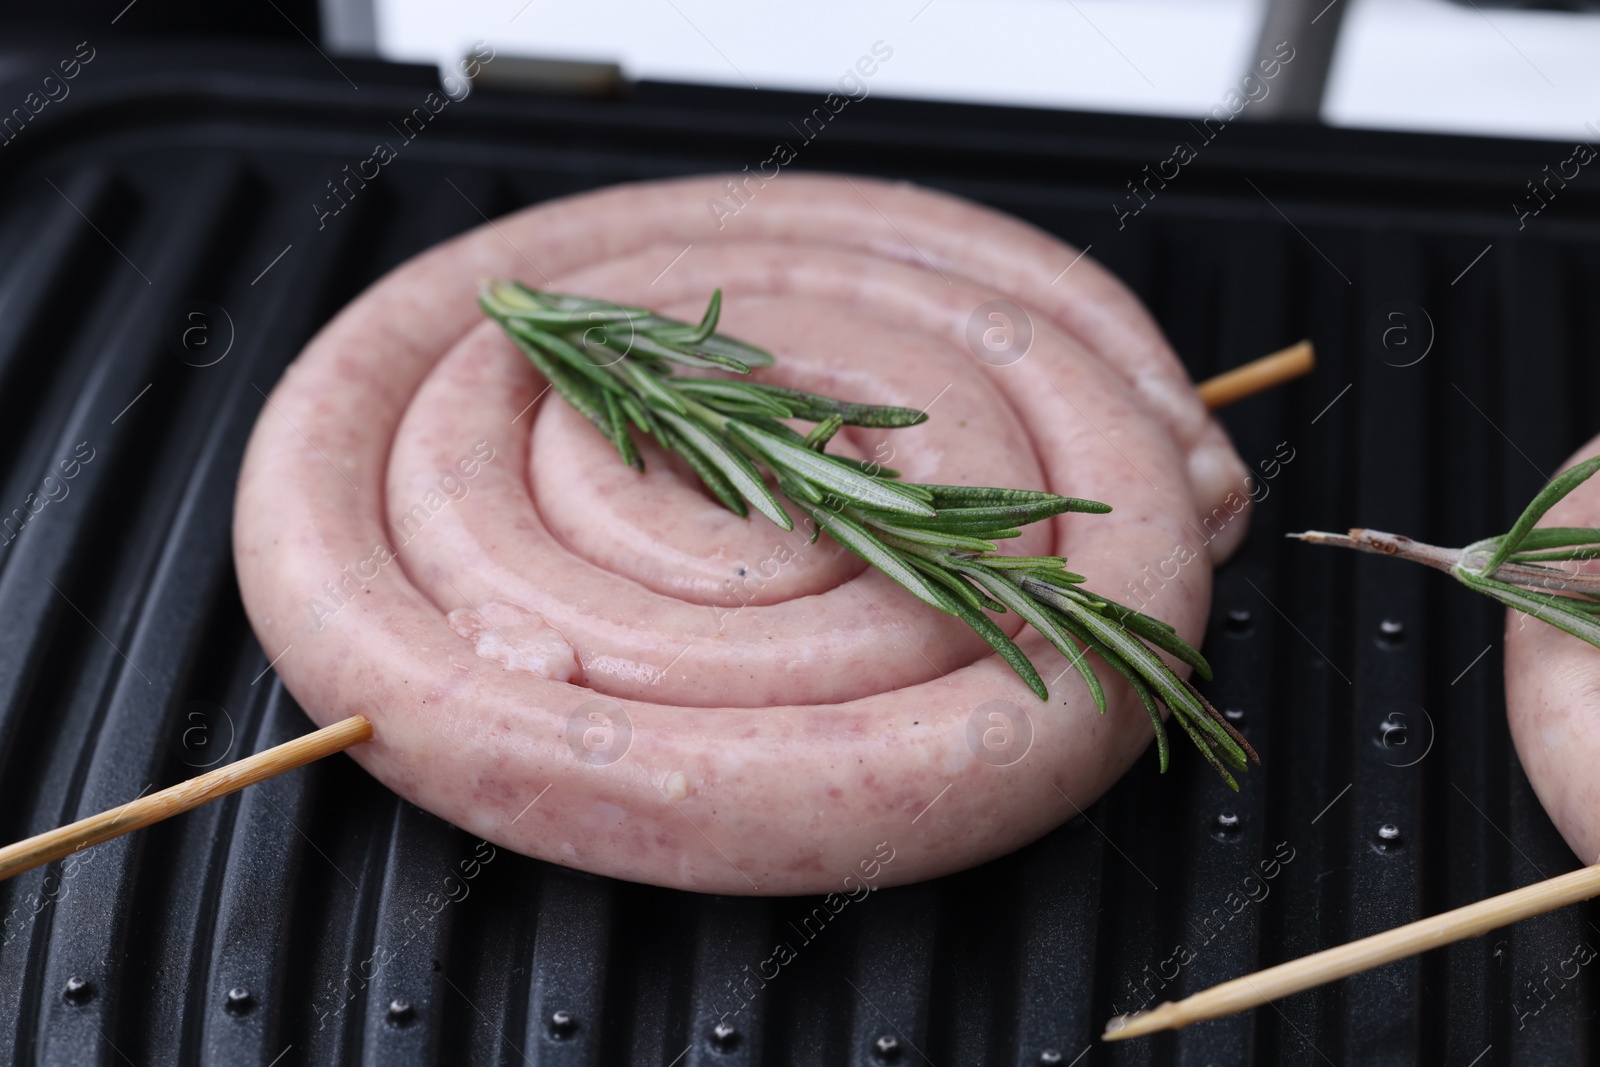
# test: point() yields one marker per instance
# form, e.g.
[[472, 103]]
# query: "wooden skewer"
[[1331, 964], [53, 844], [1258, 375]]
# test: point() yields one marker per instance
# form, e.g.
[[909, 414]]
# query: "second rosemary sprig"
[[615, 365], [1513, 567]]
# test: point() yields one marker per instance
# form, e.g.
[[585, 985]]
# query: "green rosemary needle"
[[615, 365], [1512, 568]]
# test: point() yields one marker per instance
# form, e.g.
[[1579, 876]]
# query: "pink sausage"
[[393, 549], [1553, 697]]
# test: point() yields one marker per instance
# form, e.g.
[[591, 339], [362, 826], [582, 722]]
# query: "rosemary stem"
[[1381, 543], [1465, 563], [711, 420]]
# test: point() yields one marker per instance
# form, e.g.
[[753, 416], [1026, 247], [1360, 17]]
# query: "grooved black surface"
[[127, 662]]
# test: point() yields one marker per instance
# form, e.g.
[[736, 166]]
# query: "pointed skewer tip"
[[1140, 1023]]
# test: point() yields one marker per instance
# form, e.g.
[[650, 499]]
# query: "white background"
[[1401, 64]]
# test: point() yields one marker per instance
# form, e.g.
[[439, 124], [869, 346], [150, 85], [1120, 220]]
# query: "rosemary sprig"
[[1512, 568], [615, 365]]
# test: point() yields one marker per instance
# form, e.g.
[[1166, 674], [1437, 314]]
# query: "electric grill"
[[166, 252]]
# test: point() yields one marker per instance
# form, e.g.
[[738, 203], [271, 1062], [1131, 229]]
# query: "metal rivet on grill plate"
[[887, 1048], [563, 1023], [1234, 715], [1239, 620], [1389, 834], [1049, 1058], [401, 1012], [238, 1000], [1391, 632], [1227, 823], [724, 1037], [77, 991]]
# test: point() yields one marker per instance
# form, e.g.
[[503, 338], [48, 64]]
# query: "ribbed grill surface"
[[127, 662]]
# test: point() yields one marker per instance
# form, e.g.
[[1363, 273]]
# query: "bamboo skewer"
[[1257, 376], [54, 844], [24, 855], [1331, 964]]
